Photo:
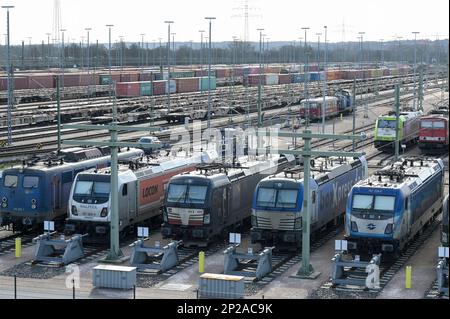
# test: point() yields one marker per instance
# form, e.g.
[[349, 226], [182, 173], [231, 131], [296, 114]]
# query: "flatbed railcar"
[[387, 210]]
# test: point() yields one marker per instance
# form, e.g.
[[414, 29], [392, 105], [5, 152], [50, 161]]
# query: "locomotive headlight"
[[298, 223], [444, 237], [104, 212], [254, 221], [4, 204], [389, 229], [33, 204], [207, 219], [74, 210], [354, 227]]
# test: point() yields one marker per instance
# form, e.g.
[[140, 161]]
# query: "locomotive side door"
[[56, 184], [132, 200]]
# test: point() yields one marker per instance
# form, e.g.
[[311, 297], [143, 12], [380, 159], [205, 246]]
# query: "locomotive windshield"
[[370, 202], [89, 191], [186, 194], [432, 124], [30, 182], [386, 124], [10, 180], [272, 198]]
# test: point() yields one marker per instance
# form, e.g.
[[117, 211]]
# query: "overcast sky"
[[282, 19]]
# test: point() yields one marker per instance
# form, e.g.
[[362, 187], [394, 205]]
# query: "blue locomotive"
[[387, 210], [278, 200], [444, 226], [210, 201], [39, 190]]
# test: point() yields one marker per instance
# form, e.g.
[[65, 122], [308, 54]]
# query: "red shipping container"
[[128, 89], [187, 85], [3, 83], [41, 81], [253, 80], [129, 77], [159, 87], [284, 79], [20, 83], [146, 77], [238, 72], [71, 79]]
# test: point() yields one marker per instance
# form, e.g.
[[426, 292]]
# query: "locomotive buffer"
[[306, 270], [115, 254]]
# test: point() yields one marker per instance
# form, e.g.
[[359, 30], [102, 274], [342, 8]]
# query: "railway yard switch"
[[157, 258], [61, 251], [354, 272], [238, 263]]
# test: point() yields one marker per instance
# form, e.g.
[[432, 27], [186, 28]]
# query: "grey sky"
[[282, 19]]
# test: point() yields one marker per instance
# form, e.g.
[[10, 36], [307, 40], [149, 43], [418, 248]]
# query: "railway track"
[[388, 269], [46, 146]]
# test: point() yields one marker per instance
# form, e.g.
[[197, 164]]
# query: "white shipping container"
[[271, 79], [173, 86]]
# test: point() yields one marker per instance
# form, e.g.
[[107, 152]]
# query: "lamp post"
[[324, 93], [48, 50], [109, 26], [415, 66], [174, 54], [306, 79], [10, 87], [209, 73], [399, 52], [141, 59], [63, 62], [382, 52], [318, 48], [201, 51], [88, 63], [260, 78], [168, 64], [31, 53]]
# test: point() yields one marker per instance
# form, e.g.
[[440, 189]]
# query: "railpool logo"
[[371, 226]]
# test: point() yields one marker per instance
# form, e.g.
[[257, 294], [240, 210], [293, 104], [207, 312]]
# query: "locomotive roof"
[[403, 116], [325, 168], [408, 173], [434, 117], [56, 166], [248, 166], [320, 99], [145, 166]]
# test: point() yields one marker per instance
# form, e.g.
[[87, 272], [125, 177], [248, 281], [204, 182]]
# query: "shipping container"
[[146, 88], [146, 77], [185, 85], [204, 83], [299, 77], [159, 87], [128, 89], [200, 73], [89, 79], [284, 78], [172, 85], [19, 83], [41, 81], [129, 77], [271, 79], [109, 276]]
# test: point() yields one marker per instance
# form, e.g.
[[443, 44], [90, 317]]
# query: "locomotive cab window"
[[362, 201], [384, 203], [10, 180], [30, 182]]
